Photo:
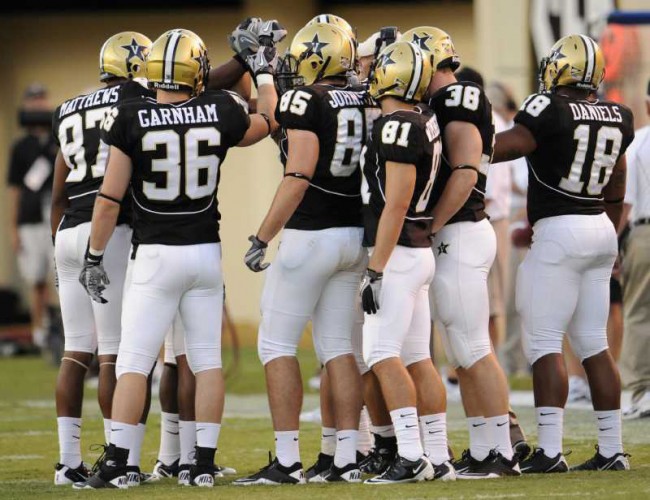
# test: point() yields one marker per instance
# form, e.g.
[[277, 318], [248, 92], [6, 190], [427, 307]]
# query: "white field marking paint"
[[21, 457], [27, 433]]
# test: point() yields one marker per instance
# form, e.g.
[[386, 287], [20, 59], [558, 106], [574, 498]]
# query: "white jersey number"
[[602, 165], [467, 96], [73, 150], [171, 164]]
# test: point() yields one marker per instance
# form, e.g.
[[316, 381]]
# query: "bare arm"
[[59, 199], [614, 192], [464, 145], [266, 103], [227, 76], [106, 211], [513, 143], [302, 159], [400, 184]]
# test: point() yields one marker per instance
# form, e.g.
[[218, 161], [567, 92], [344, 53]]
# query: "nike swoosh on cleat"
[[478, 425], [501, 425]]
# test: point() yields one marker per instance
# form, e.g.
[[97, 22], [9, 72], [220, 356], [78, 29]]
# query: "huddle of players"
[[424, 164]]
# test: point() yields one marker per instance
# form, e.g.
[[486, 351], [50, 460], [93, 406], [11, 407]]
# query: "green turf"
[[28, 450]]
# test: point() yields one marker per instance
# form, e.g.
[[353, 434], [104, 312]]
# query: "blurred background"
[[58, 46]]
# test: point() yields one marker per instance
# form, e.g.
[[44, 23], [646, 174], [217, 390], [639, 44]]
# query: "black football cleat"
[[112, 472], [539, 463], [274, 474], [348, 474], [184, 474], [380, 457], [495, 465], [598, 462], [444, 472], [202, 475], [64, 475], [462, 463], [161, 471], [322, 464], [405, 471]]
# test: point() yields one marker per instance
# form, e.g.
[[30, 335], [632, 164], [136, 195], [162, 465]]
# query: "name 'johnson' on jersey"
[[176, 150], [578, 144]]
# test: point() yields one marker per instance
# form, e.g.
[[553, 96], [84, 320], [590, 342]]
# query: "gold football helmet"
[[435, 42], [402, 71], [574, 61], [123, 56], [322, 50], [335, 21], [178, 61]]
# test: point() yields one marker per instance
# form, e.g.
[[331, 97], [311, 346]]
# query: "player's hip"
[[465, 245]]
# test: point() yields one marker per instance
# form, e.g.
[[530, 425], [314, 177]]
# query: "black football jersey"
[[176, 151], [76, 126], [342, 118], [578, 144], [402, 137], [465, 102]]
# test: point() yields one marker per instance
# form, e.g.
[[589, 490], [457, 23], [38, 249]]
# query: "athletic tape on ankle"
[[65, 358]]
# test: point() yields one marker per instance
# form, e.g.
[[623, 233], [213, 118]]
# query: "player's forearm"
[[226, 75], [267, 101], [14, 201], [103, 223], [289, 195], [388, 231], [454, 196], [615, 212]]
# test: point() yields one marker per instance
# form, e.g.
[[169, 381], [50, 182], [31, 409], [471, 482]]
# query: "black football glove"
[[370, 290], [264, 61], [255, 256], [271, 32], [93, 277]]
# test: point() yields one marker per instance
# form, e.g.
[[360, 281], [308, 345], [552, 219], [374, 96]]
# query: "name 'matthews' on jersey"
[[578, 144], [405, 137], [176, 151], [465, 102], [342, 119], [76, 128]]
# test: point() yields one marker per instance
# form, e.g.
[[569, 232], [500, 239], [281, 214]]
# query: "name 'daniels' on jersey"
[[150, 117], [590, 112]]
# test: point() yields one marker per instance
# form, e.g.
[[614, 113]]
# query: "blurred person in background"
[[635, 358], [30, 182], [509, 255]]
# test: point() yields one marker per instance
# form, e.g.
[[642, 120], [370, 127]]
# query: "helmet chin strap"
[[319, 75], [557, 77]]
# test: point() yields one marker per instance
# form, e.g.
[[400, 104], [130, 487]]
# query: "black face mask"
[[287, 76], [35, 118]]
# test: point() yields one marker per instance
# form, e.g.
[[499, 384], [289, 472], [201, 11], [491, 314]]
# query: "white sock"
[[69, 441], [549, 429], [170, 443], [610, 436], [364, 439], [187, 435], [479, 438], [346, 448], [207, 434], [499, 429], [136, 447], [433, 429], [385, 431], [123, 435], [328, 441], [407, 431], [287, 449], [107, 430]]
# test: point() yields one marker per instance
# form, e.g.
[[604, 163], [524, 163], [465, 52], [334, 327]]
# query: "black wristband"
[[93, 259], [241, 61], [298, 175], [467, 167], [374, 275], [109, 198], [257, 242], [268, 122]]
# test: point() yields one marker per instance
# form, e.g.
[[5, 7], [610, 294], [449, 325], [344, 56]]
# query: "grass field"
[[28, 447]]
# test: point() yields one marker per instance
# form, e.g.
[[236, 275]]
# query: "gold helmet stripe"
[[591, 58], [416, 74], [170, 52]]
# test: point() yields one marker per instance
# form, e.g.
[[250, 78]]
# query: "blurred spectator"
[[635, 358], [30, 180], [506, 195]]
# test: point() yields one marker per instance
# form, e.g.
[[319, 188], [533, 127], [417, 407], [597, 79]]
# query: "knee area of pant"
[[268, 350], [109, 348], [374, 357], [80, 343], [130, 362], [203, 359], [409, 359], [584, 353]]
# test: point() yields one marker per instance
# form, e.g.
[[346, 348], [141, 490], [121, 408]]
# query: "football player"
[[400, 165], [168, 150], [320, 262], [575, 146], [464, 246], [79, 171]]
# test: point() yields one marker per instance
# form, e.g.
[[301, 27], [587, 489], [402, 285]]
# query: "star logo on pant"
[[442, 248]]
